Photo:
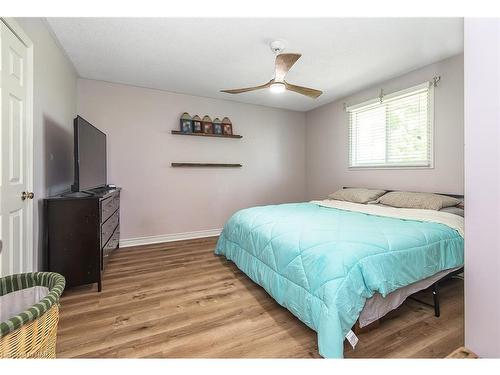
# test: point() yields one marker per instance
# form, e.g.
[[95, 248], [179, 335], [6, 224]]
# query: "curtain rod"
[[434, 82]]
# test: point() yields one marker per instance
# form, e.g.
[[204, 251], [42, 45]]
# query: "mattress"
[[323, 260]]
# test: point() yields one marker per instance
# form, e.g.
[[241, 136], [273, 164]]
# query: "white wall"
[[327, 139], [482, 186], [54, 107], [160, 200]]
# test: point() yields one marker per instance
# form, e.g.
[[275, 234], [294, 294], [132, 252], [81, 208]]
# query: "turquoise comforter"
[[323, 263]]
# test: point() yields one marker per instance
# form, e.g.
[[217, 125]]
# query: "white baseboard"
[[128, 242]]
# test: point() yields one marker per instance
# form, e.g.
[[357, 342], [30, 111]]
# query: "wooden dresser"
[[81, 231]]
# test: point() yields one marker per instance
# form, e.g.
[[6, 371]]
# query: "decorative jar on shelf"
[[217, 126], [207, 125], [227, 126], [197, 124], [186, 123]]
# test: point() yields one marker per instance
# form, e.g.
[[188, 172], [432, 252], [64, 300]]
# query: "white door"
[[16, 204]]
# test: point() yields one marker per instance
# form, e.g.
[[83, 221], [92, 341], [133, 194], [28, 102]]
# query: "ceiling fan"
[[284, 62]]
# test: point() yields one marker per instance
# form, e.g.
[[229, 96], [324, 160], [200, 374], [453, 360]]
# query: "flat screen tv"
[[90, 156]]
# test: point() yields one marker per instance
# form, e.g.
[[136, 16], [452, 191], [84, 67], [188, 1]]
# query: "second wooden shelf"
[[209, 165]]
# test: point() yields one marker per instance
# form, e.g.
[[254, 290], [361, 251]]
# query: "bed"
[[323, 260]]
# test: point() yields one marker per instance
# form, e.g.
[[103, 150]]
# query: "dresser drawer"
[[109, 206], [109, 226], [113, 242]]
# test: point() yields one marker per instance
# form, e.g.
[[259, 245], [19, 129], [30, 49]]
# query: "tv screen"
[[90, 156]]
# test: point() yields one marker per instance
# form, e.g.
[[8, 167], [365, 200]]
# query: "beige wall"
[[160, 200], [54, 107], [327, 139]]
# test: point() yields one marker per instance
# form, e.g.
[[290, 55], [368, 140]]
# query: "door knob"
[[27, 195]]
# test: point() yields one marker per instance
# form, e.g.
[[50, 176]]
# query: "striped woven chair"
[[32, 333]]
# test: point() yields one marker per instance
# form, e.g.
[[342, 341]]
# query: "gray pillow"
[[454, 210], [428, 201], [356, 195]]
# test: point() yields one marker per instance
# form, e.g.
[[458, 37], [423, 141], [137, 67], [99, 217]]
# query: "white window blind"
[[393, 132]]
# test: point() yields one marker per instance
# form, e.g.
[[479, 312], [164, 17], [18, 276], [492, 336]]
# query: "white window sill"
[[389, 167]]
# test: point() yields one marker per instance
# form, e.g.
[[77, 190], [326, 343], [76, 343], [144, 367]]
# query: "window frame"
[[374, 102]]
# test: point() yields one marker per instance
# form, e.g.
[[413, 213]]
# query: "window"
[[393, 130]]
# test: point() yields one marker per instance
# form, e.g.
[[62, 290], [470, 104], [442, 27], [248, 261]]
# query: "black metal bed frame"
[[435, 292]]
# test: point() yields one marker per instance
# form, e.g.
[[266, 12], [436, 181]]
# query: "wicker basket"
[[32, 333]]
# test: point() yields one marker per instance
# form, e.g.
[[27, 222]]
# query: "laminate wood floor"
[[178, 299]]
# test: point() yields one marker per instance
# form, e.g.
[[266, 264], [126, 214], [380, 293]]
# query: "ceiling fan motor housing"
[[277, 46]]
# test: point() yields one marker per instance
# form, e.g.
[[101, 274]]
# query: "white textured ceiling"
[[202, 56]]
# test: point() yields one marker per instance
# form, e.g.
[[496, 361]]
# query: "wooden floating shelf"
[[178, 132], [206, 165]]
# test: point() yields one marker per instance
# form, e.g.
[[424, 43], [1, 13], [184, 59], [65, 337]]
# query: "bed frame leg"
[[435, 295]]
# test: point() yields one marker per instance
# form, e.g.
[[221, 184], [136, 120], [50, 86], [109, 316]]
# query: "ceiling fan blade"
[[312, 93], [246, 89], [284, 63]]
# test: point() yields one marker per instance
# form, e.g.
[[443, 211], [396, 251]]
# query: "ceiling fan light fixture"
[[277, 88]]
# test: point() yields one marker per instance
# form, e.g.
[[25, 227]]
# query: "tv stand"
[[81, 231]]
